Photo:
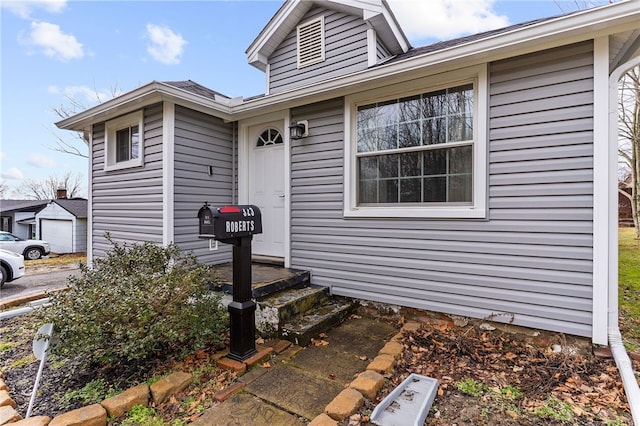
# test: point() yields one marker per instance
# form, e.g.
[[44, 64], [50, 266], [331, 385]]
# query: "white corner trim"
[[90, 204], [372, 50], [168, 173], [267, 81], [287, 191], [601, 182]]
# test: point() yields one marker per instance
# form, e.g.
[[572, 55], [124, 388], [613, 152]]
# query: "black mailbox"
[[236, 225], [227, 222]]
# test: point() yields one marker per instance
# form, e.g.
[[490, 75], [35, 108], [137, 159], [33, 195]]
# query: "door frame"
[[244, 150]]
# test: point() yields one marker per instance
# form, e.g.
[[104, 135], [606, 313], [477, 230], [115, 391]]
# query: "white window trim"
[[111, 128], [477, 75]]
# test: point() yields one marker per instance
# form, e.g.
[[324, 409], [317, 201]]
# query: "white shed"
[[63, 223]]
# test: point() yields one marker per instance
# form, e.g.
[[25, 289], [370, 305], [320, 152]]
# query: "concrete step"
[[305, 326], [277, 309], [266, 279]]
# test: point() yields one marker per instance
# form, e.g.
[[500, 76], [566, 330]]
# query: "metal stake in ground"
[[41, 344]]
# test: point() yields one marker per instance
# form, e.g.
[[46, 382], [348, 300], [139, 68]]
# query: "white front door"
[[267, 186]]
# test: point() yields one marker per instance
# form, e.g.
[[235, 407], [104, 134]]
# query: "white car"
[[11, 266], [30, 249]]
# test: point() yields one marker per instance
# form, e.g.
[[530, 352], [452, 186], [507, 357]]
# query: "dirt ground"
[[496, 374], [487, 376]]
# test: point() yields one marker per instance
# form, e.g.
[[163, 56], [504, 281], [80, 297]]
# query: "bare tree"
[[78, 145], [4, 189], [47, 189], [570, 6], [629, 145]]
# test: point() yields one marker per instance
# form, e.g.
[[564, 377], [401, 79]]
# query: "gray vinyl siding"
[[381, 51], [128, 203], [345, 52], [200, 141], [80, 235], [529, 262]]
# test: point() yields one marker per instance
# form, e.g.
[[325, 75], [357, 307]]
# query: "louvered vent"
[[311, 42]]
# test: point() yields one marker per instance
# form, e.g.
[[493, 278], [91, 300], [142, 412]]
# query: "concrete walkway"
[[301, 382]]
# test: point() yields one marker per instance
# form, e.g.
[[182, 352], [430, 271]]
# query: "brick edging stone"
[[96, 414], [367, 384]]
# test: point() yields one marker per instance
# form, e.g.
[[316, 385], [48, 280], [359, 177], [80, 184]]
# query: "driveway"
[[38, 280]]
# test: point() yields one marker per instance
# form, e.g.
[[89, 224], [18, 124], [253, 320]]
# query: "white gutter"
[[629, 381]]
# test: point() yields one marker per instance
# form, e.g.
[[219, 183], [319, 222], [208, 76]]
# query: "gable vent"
[[311, 42]]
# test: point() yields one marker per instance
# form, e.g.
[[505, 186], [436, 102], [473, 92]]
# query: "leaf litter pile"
[[492, 377]]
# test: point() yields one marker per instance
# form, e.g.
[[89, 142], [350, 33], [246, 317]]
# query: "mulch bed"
[[527, 377]]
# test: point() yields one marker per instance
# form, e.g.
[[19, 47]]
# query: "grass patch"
[[23, 361], [629, 287], [140, 415], [510, 393], [471, 387], [556, 410], [5, 346], [93, 392], [59, 260]]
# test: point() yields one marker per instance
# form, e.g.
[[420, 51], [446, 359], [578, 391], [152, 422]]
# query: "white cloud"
[[166, 46], [24, 8], [12, 173], [446, 19], [83, 93], [40, 161], [53, 42]]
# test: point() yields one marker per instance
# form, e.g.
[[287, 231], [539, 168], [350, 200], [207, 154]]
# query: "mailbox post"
[[236, 225]]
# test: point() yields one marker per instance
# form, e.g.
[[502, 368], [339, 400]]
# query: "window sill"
[[123, 165], [466, 212]]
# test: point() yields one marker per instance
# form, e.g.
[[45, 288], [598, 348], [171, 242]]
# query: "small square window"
[[127, 141], [123, 142]]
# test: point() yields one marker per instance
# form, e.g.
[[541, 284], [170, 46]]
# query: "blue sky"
[[56, 50]]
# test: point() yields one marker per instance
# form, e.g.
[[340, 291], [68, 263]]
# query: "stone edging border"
[[97, 414], [345, 404]]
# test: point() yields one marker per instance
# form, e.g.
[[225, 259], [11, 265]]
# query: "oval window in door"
[[270, 136]]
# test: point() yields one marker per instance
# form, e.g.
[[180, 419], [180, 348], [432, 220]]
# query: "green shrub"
[[137, 302]]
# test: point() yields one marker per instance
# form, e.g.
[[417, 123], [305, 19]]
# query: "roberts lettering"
[[240, 226]]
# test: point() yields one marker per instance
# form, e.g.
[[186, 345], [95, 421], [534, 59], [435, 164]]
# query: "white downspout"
[[618, 351]]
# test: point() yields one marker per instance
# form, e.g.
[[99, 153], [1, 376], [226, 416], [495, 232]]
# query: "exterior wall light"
[[299, 130]]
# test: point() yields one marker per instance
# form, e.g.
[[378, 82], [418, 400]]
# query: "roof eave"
[[142, 96]]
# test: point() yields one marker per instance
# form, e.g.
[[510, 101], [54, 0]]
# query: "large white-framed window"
[[124, 142], [418, 148]]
